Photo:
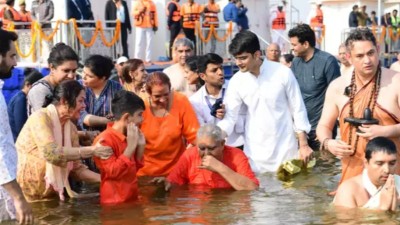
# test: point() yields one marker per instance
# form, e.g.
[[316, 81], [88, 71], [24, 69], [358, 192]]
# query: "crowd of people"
[[188, 125]]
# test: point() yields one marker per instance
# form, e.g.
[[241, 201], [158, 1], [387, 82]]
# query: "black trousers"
[[175, 28], [124, 40], [189, 33]]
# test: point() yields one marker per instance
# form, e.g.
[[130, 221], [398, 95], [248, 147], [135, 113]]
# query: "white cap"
[[280, 5], [318, 2], [122, 59]]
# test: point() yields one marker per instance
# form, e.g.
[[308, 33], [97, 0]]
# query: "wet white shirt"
[[275, 112], [202, 109]]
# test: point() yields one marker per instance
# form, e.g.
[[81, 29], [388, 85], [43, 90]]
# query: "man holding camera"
[[207, 102]]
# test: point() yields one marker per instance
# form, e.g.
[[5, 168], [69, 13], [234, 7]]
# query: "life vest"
[[211, 17], [318, 20], [279, 23], [15, 14], [176, 15], [26, 17], [190, 14], [148, 18]]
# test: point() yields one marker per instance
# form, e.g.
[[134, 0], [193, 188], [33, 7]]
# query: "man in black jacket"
[[353, 21], [118, 9]]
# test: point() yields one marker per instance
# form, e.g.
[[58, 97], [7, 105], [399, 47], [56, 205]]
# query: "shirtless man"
[[370, 86], [376, 187], [396, 65]]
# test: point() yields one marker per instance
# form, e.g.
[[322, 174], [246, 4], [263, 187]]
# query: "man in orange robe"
[[369, 86], [213, 164]]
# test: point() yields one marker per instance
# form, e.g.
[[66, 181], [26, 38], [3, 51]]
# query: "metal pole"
[[290, 14], [379, 13]]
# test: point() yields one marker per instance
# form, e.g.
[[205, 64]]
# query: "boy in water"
[[118, 173]]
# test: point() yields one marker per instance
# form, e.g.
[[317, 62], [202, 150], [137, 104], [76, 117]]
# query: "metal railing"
[[64, 32]]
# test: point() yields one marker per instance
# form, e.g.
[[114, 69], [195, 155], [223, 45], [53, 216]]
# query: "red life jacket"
[[279, 23]]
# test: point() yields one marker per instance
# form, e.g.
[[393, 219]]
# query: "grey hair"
[[343, 45], [212, 131], [183, 42]]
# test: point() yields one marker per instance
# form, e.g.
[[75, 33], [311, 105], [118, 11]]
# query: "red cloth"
[[186, 171], [118, 173]]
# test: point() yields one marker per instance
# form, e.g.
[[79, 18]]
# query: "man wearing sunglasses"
[[212, 163]]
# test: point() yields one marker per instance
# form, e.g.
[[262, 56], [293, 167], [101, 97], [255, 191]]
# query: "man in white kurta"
[[275, 108], [12, 201]]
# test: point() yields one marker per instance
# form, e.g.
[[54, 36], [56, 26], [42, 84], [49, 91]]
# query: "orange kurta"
[[118, 173], [165, 136], [353, 165], [187, 169]]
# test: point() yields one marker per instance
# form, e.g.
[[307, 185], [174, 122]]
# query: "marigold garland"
[[37, 30], [33, 41], [213, 31]]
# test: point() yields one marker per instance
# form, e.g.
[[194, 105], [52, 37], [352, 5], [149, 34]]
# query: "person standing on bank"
[[43, 11], [146, 23], [173, 12], [314, 70], [118, 9], [190, 13]]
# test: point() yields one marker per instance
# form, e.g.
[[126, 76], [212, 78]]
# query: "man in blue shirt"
[[230, 13], [314, 70]]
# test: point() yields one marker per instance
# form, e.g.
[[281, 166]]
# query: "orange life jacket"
[[318, 20], [279, 23], [176, 15], [191, 14], [15, 14], [148, 18], [211, 17], [26, 17]]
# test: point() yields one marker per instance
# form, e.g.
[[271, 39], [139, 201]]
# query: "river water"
[[301, 200]]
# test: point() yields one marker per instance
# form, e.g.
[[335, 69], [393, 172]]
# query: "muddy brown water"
[[301, 200]]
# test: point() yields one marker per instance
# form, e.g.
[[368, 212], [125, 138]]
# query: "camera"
[[217, 105]]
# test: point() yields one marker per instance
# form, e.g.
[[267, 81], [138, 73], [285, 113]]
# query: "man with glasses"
[[212, 163]]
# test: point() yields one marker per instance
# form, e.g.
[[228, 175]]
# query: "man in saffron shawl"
[[370, 86]]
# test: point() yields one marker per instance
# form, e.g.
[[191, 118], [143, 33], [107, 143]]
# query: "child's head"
[[31, 76], [127, 107]]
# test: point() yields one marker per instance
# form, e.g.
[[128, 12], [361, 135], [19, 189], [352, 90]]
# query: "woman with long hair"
[[63, 63], [192, 72], [48, 146]]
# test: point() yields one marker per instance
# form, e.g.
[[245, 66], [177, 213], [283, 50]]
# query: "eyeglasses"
[[209, 148]]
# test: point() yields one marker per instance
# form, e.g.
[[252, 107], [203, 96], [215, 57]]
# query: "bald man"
[[273, 52]]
